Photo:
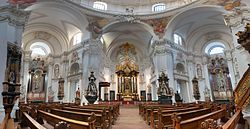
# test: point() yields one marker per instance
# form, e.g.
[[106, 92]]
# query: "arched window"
[[100, 5], [215, 48], [158, 7], [177, 39], [39, 49], [77, 38]]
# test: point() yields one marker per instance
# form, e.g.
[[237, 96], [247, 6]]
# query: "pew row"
[[165, 120], [74, 124], [154, 114], [195, 123], [100, 118], [108, 114], [28, 121]]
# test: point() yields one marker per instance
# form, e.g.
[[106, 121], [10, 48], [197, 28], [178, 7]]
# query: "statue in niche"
[[78, 93], [112, 77], [199, 70], [74, 57], [78, 99], [12, 77], [142, 77], [236, 65], [56, 71]]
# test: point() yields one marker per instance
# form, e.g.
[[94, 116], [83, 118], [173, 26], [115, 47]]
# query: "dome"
[[134, 6]]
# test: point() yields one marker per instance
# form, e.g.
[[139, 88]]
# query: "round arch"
[[33, 41], [144, 25], [54, 31], [183, 15], [214, 43], [64, 7]]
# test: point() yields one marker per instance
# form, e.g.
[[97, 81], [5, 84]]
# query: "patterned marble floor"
[[129, 119]]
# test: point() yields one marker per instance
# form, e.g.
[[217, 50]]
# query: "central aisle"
[[129, 119]]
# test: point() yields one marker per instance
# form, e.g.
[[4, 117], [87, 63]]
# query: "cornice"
[[14, 16], [168, 44]]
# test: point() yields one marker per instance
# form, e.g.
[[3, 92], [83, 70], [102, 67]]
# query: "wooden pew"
[[107, 113], [147, 115], [115, 107], [195, 123], [111, 109], [30, 122], [74, 124], [154, 114], [148, 107], [100, 118], [165, 120], [233, 121]]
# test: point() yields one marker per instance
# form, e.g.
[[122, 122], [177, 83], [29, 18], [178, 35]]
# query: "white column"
[[191, 76], [188, 91], [64, 74], [230, 67], [202, 85], [207, 81], [25, 73], [49, 79]]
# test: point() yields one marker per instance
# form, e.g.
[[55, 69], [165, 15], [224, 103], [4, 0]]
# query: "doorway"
[[112, 95], [183, 90]]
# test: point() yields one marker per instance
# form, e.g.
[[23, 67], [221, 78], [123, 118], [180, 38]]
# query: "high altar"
[[127, 72]]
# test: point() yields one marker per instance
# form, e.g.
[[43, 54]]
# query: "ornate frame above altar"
[[127, 73], [220, 80]]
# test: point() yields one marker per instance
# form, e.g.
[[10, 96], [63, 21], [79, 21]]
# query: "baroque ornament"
[[159, 25]]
